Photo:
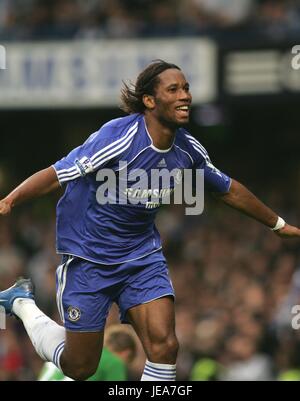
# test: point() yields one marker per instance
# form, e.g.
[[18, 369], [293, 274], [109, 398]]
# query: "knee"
[[163, 349], [79, 371]]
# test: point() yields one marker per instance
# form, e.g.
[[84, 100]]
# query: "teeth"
[[182, 108]]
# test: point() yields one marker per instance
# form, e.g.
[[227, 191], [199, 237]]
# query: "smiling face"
[[172, 99]]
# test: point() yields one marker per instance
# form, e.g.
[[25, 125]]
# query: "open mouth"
[[183, 110]]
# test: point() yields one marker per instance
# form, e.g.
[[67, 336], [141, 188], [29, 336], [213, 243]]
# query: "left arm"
[[240, 198]]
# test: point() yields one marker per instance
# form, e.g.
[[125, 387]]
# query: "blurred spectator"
[[206, 369], [11, 356], [71, 19], [277, 19], [226, 13], [243, 362]]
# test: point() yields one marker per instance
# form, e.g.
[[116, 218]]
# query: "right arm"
[[96, 152], [38, 184]]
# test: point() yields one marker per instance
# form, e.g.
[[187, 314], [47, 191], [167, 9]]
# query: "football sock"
[[159, 372], [47, 337]]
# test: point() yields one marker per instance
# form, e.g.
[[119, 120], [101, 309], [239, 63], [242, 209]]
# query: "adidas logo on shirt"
[[162, 163]]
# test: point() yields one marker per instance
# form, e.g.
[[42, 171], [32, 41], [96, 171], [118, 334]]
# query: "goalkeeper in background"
[[118, 352]]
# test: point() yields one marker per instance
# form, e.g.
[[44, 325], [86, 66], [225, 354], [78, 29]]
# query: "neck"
[[162, 136]]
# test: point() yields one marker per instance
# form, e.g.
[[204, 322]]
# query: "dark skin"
[[154, 322], [162, 115]]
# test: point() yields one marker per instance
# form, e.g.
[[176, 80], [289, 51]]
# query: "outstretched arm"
[[240, 198], [38, 184]]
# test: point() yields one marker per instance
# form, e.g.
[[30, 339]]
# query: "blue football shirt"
[[123, 231]]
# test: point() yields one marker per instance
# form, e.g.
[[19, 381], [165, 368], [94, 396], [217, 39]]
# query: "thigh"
[[149, 282], [82, 349], [154, 321]]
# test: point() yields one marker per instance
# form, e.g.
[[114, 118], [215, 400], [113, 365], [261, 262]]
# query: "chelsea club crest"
[[74, 313]]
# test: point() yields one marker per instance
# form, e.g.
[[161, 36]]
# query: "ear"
[[149, 101]]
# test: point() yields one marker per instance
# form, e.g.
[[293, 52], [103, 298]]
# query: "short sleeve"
[[214, 179], [100, 149]]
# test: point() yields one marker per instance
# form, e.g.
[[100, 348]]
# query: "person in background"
[[118, 352]]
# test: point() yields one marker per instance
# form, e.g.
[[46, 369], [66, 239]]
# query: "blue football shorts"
[[85, 290]]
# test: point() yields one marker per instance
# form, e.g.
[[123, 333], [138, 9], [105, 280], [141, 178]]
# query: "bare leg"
[[154, 323], [80, 357]]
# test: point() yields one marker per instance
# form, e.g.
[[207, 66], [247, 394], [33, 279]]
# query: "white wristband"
[[280, 224]]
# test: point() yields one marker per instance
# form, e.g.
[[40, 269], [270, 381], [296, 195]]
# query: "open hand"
[[5, 207], [288, 232]]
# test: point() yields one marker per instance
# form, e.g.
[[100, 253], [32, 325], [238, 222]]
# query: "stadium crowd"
[[235, 281], [86, 19]]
